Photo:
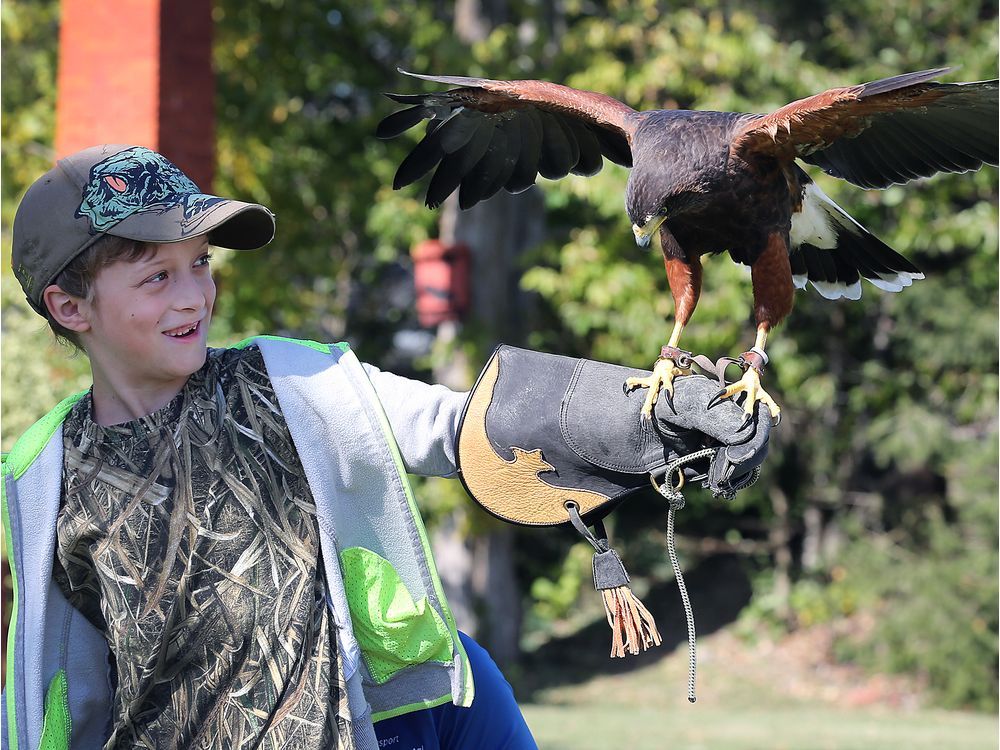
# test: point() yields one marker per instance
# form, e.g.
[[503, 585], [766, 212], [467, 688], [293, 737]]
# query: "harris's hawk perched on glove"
[[711, 182]]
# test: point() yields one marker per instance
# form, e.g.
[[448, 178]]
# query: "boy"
[[219, 548]]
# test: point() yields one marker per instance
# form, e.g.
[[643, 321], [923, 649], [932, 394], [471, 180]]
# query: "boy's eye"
[[161, 276], [203, 260]]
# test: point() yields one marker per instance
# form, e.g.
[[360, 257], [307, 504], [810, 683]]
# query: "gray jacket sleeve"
[[424, 420]]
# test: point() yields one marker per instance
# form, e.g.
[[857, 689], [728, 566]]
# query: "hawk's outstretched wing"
[[885, 132], [487, 135]]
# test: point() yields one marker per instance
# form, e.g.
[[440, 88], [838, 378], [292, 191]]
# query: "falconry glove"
[[546, 440], [541, 429]]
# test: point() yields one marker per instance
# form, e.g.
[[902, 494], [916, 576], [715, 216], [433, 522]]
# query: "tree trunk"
[[454, 559], [480, 581], [812, 539], [780, 536], [496, 590]]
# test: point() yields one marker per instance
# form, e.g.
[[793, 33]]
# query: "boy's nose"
[[193, 293]]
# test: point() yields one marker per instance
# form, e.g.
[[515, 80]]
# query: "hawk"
[[713, 182]]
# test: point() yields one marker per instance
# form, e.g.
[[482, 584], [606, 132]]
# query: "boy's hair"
[[77, 279]]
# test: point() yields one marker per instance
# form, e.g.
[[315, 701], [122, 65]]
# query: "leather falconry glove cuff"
[[546, 440]]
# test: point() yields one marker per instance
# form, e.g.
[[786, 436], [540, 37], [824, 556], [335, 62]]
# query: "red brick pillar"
[[138, 72]]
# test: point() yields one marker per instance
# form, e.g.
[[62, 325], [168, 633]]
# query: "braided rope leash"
[[671, 491]]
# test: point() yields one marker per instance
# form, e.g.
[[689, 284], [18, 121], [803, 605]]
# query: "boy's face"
[[149, 318]]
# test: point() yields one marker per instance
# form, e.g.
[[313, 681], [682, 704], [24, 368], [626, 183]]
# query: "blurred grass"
[[598, 726], [787, 693]]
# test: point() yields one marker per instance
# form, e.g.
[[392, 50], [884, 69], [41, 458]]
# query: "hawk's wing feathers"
[[487, 135], [833, 252], [885, 132], [489, 95]]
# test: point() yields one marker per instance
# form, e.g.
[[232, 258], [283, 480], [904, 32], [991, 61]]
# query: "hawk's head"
[[652, 197], [674, 169]]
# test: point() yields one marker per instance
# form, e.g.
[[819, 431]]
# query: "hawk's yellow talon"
[[664, 372], [750, 385]]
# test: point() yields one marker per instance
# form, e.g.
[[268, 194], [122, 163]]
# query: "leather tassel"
[[632, 626]]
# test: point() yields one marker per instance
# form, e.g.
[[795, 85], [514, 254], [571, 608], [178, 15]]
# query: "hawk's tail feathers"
[[833, 252]]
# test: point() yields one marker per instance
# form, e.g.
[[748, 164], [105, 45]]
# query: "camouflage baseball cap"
[[126, 191]]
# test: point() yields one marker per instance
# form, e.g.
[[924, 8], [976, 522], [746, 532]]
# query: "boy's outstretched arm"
[[424, 420], [576, 412]]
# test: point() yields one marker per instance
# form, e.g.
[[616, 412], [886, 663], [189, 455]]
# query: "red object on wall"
[[138, 72], [441, 277]]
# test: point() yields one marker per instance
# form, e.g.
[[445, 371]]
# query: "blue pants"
[[492, 722]]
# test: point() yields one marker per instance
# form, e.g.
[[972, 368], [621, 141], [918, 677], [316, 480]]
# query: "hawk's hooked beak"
[[644, 233]]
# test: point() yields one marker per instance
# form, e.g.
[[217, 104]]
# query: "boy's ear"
[[68, 311]]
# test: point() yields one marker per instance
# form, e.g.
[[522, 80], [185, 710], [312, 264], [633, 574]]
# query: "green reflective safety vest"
[[397, 638]]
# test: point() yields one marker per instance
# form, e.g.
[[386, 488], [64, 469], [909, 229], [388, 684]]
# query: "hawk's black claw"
[[716, 399], [669, 398]]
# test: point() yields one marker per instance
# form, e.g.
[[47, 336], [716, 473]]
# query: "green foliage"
[[29, 33], [933, 584], [812, 600], [555, 598], [45, 372], [935, 618], [37, 372], [929, 584]]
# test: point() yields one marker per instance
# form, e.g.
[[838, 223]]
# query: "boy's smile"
[[147, 328]]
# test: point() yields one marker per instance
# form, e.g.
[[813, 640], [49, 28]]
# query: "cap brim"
[[228, 223]]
